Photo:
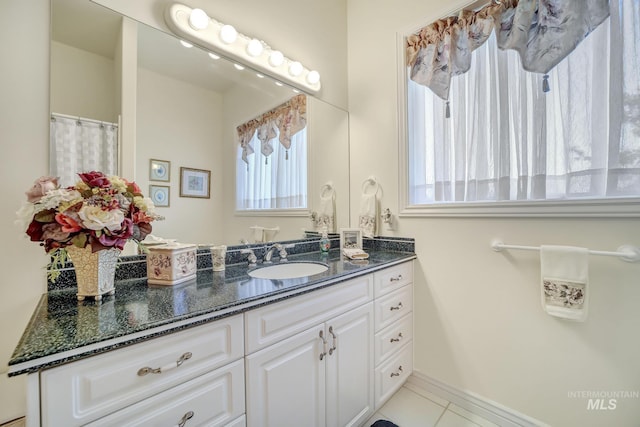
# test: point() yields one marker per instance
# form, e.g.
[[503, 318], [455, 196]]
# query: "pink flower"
[[40, 188], [69, 225], [117, 238], [54, 231], [95, 179]]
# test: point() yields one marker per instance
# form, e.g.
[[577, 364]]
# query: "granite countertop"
[[63, 329]]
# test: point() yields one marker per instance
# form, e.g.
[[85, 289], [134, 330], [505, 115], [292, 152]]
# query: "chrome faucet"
[[281, 251], [251, 258]]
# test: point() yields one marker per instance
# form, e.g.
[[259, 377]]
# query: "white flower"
[[145, 204], [55, 198], [95, 218], [25, 215], [119, 184]]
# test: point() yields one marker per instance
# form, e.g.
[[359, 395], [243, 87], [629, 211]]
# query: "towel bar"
[[628, 253]]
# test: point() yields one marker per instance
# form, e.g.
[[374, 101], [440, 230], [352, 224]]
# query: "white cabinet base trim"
[[474, 403]]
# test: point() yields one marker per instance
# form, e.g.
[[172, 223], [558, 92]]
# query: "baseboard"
[[487, 409]]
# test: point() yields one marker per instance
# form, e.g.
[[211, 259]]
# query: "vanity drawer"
[[392, 278], [88, 389], [389, 340], [272, 323], [393, 306], [214, 399], [392, 374]]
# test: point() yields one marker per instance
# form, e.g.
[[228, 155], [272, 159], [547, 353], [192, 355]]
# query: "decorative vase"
[[95, 271]]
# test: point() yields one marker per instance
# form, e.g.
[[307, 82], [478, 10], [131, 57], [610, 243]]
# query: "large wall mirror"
[[186, 109]]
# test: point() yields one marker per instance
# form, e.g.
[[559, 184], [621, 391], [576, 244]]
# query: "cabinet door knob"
[[186, 417], [396, 278], [397, 307], [324, 345], [147, 370], [397, 339]]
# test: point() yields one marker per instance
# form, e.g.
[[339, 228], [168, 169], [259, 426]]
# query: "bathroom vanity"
[[228, 349]]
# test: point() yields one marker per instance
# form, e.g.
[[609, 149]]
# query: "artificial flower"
[[100, 211]]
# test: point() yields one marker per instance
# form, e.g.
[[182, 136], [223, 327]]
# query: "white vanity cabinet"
[[393, 342], [163, 379], [322, 375]]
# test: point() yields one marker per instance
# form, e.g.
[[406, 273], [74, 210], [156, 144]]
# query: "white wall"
[[171, 115], [82, 84], [479, 323], [24, 135]]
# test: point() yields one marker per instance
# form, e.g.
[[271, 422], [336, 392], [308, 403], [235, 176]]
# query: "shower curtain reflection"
[[80, 145]]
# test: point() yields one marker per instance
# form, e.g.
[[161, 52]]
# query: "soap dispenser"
[[325, 243]]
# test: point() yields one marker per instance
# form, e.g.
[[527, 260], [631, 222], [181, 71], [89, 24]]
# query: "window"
[[509, 143]]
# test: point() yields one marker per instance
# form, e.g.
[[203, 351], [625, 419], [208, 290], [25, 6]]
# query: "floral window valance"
[[286, 120], [543, 32]]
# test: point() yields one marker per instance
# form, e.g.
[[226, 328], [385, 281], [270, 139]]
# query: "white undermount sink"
[[289, 270]]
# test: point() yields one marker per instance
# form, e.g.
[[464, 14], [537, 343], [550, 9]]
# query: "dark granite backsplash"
[[134, 267]]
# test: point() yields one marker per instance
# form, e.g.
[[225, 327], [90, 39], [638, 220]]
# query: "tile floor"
[[413, 407]]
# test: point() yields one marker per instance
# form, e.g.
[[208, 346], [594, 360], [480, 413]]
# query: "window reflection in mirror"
[[271, 171]]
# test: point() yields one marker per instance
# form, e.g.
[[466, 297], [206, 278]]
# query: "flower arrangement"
[[104, 212]]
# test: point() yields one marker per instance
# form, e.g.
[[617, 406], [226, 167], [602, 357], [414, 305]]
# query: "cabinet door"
[[286, 382], [350, 368]]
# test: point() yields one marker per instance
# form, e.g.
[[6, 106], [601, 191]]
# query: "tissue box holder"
[[171, 264]]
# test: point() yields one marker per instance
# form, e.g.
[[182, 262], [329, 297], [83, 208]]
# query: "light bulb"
[[198, 19], [295, 68], [313, 77], [238, 67], [213, 55], [228, 34], [276, 58], [185, 44], [260, 76], [278, 83], [255, 47]]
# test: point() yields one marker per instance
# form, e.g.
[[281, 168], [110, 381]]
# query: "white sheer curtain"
[[508, 140], [278, 181], [81, 145]]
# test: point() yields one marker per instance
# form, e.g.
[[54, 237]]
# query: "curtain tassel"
[[447, 110], [545, 83]]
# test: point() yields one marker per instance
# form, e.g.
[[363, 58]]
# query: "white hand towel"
[[565, 280], [368, 215], [327, 212]]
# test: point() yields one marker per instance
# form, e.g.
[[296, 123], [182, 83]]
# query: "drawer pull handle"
[[397, 339], [324, 346], [333, 345], [186, 417], [396, 279], [397, 374], [397, 307], [147, 370]]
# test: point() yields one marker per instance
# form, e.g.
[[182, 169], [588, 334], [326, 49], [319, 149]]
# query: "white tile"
[[409, 409], [471, 416], [424, 393], [451, 419]]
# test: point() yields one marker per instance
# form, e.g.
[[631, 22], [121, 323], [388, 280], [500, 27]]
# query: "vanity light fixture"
[[198, 19], [221, 39], [214, 56], [260, 76], [185, 44], [255, 47], [238, 67], [228, 34]]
